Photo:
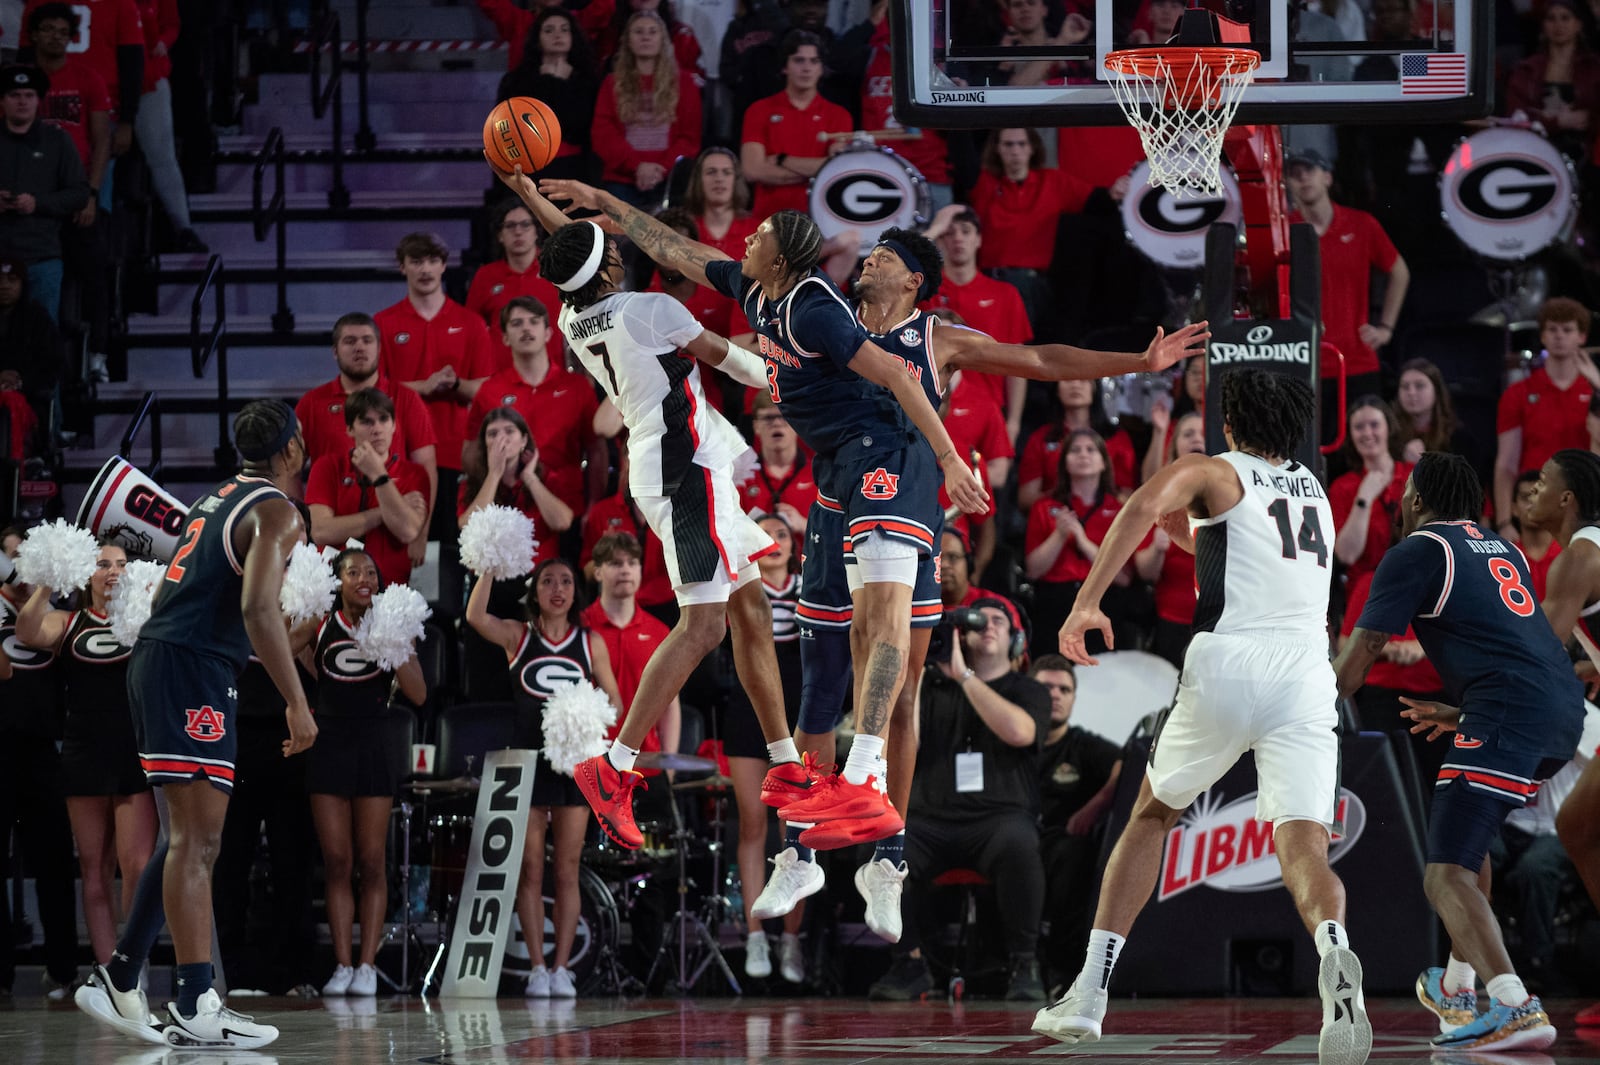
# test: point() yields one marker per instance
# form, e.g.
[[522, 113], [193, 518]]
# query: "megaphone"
[[131, 510]]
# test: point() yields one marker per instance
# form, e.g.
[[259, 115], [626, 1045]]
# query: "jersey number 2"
[[1310, 538], [191, 537]]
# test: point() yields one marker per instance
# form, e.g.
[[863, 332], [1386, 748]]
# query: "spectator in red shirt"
[[368, 492], [1422, 407], [110, 39], [781, 148], [153, 124], [1353, 245], [783, 484], [1028, 30], [558, 69], [985, 304], [631, 634], [719, 199], [1064, 533], [1189, 397], [976, 426], [499, 282], [1539, 545], [685, 46], [1548, 410], [512, 22], [926, 149], [558, 404], [505, 469], [648, 113], [1366, 500], [1172, 571], [1041, 456], [618, 513]]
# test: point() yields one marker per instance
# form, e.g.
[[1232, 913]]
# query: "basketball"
[[521, 132]]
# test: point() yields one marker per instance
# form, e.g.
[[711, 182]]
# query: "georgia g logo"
[[880, 484], [205, 725], [542, 676]]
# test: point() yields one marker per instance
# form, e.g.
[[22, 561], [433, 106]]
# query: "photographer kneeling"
[[975, 799]]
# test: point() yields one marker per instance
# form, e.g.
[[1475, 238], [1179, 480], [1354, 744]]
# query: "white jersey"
[[1262, 568], [1587, 630], [631, 343]]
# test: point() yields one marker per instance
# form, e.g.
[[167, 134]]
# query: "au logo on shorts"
[[880, 484], [205, 725]]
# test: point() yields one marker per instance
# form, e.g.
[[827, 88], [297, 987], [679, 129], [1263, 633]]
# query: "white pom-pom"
[[389, 632], [58, 555], [131, 600], [575, 721], [497, 542], [745, 465], [308, 585]]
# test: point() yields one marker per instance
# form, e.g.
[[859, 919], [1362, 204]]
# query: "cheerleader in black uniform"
[[109, 802], [552, 648], [352, 773]]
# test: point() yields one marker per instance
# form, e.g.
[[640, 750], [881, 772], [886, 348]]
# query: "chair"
[[471, 730], [959, 961], [434, 655]]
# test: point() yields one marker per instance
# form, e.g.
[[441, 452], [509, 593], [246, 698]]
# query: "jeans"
[[44, 284], [153, 126]]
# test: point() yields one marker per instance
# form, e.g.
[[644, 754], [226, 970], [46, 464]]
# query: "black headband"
[[291, 426], [913, 263]]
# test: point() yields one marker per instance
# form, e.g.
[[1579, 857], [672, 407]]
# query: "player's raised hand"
[[1431, 716], [1074, 631], [515, 180], [1165, 350], [963, 487], [577, 195]]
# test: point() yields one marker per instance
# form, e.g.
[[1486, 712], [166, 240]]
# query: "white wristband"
[[744, 366]]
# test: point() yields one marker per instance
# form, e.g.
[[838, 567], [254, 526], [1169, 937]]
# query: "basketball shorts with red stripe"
[[710, 543], [1478, 786], [825, 563], [185, 712]]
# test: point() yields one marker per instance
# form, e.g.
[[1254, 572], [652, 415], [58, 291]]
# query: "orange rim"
[[1176, 66]]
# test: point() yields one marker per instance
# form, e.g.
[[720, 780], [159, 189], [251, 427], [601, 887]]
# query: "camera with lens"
[[961, 619]]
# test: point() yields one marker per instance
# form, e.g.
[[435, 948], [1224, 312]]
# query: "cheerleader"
[[109, 802], [353, 772], [551, 649]]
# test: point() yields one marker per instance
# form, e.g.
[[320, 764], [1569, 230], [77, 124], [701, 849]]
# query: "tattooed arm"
[[1361, 650], [667, 247]]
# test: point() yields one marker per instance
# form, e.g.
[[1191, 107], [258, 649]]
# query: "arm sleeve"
[[1407, 580], [322, 485], [744, 366]]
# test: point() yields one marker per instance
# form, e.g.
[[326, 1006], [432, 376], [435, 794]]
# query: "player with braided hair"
[[1568, 497], [1255, 677], [1467, 594]]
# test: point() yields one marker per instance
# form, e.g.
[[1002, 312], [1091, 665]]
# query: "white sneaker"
[[791, 881], [880, 883], [791, 959], [364, 982], [215, 1025], [1346, 1037], [561, 985], [538, 983], [339, 982], [126, 1011], [1076, 1018], [757, 956]]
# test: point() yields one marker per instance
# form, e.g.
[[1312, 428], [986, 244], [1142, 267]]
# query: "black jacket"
[[44, 164]]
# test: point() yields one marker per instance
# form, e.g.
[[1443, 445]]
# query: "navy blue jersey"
[[197, 602], [1467, 594], [911, 342], [808, 338]]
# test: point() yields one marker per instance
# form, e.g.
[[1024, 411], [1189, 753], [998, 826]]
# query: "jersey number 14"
[[1310, 538]]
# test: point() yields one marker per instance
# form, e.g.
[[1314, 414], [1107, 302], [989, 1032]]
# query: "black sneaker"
[[1025, 985], [907, 980]]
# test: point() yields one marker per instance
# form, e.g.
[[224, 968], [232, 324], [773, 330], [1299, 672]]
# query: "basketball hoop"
[[1182, 100]]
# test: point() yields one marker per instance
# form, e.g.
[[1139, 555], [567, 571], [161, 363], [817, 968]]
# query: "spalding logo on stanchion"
[[135, 512]]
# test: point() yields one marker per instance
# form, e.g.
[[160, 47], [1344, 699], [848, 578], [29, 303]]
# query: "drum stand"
[[686, 924], [405, 930]]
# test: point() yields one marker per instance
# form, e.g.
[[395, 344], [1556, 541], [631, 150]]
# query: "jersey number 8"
[[1513, 594]]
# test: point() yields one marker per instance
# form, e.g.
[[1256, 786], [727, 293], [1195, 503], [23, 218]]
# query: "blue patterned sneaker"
[[1453, 1010], [1503, 1027]]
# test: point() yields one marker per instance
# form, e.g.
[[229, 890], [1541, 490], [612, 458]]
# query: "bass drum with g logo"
[[868, 189], [1171, 232], [1508, 194]]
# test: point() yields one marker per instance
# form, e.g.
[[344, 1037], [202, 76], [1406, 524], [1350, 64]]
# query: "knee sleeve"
[[824, 678]]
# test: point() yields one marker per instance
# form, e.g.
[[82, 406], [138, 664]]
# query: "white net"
[[1182, 101]]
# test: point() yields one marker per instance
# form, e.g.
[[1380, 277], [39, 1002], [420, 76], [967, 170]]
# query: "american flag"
[[1427, 74]]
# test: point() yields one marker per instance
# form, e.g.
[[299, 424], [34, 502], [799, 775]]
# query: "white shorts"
[[1241, 693], [710, 543]]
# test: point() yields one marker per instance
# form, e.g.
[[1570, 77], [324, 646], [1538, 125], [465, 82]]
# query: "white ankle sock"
[[1101, 958], [865, 753], [621, 757], [783, 751], [1458, 976], [1507, 988], [1331, 934]]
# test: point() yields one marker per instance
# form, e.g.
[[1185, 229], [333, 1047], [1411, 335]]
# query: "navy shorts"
[[1478, 786], [895, 492], [825, 577], [185, 708]]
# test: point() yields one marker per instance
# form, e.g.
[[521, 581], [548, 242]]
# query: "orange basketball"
[[521, 132]]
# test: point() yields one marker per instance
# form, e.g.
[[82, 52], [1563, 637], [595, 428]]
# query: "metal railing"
[[215, 344], [269, 216], [149, 410], [366, 139], [331, 89]]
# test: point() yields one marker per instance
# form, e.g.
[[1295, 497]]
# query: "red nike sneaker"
[[610, 794], [788, 781], [1589, 1017], [847, 831], [835, 797]]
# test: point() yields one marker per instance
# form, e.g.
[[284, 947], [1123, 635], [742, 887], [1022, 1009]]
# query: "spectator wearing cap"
[[1353, 245], [30, 346], [41, 183], [785, 137]]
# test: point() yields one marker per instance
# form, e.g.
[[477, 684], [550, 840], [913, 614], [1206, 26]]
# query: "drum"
[[597, 930], [449, 843], [1508, 194], [617, 863], [868, 188], [1172, 232]]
